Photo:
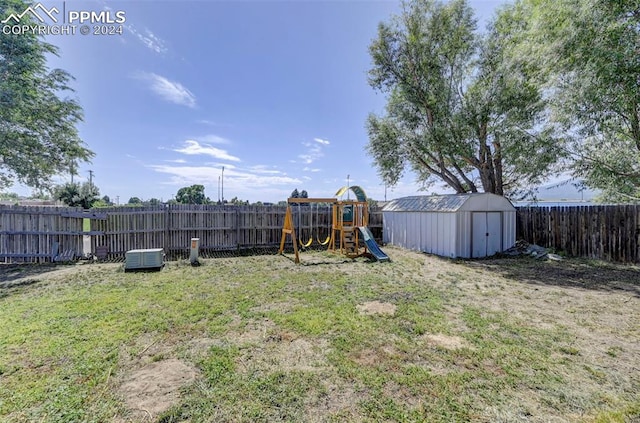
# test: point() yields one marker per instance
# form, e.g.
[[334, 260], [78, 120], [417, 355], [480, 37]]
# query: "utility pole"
[[222, 185], [218, 189], [117, 200], [73, 171], [91, 179], [347, 187]]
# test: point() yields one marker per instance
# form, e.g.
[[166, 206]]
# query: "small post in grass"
[[195, 248]]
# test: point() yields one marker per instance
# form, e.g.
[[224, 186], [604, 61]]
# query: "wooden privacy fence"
[[600, 232], [40, 234], [30, 233]]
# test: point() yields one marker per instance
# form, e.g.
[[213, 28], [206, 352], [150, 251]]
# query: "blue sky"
[[274, 91]]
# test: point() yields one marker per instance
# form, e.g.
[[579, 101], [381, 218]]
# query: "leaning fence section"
[[39, 234], [600, 232]]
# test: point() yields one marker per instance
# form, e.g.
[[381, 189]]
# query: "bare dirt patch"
[[155, 388], [253, 332], [286, 354], [376, 307], [385, 354], [445, 341], [338, 400]]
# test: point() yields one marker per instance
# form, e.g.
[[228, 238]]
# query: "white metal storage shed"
[[458, 225]]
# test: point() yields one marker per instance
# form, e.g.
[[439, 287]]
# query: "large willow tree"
[[458, 111], [588, 53]]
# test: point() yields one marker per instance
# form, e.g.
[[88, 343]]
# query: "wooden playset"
[[349, 221]]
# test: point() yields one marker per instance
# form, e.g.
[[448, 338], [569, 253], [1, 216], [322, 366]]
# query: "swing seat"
[[325, 242], [306, 244]]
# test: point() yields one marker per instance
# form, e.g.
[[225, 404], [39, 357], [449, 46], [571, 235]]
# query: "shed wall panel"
[[463, 238], [413, 231], [494, 229], [440, 231], [508, 229], [426, 233], [443, 225]]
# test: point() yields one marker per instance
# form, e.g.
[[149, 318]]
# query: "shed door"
[[487, 233]]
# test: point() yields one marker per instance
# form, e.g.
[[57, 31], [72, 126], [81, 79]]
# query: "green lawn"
[[266, 340]]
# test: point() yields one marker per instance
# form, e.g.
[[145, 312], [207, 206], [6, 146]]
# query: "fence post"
[[237, 209], [166, 229]]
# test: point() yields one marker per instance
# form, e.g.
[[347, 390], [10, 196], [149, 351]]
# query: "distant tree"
[[40, 194], [192, 195], [304, 194], [134, 201], [295, 193], [99, 203], [9, 196], [38, 134], [258, 203], [68, 193], [235, 201], [107, 201], [154, 202], [282, 203], [77, 195]]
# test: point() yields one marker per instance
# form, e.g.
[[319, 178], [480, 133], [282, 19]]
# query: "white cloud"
[[265, 170], [188, 175], [313, 153], [314, 150], [179, 161], [309, 169], [206, 122], [193, 148], [212, 123], [213, 139], [220, 165], [169, 90], [306, 158], [149, 39]]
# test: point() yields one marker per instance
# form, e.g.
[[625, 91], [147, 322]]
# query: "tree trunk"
[[486, 169], [497, 165]]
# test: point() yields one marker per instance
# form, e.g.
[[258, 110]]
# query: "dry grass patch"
[[376, 307], [285, 353], [446, 341]]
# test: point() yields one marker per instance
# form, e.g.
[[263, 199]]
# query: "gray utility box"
[[152, 258]]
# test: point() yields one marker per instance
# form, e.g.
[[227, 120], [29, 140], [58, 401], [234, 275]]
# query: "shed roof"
[[449, 203]]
